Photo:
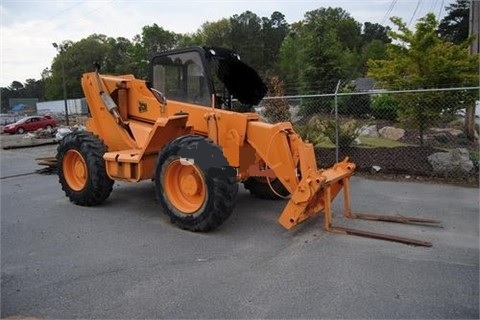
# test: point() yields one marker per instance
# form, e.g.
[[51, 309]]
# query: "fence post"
[[336, 121]]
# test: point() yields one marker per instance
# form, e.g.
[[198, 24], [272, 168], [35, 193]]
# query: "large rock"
[[454, 162], [452, 131], [369, 131], [391, 133]]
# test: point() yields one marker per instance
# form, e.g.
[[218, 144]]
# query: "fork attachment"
[[316, 192]]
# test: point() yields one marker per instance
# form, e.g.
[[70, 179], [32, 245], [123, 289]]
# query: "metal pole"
[[336, 121], [473, 30], [61, 49], [64, 91]]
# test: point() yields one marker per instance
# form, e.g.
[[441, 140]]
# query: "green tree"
[[454, 26], [152, 40], [246, 38], [216, 33], [119, 56], [375, 31], [421, 59], [16, 86], [274, 30], [30, 89], [289, 60], [374, 44], [77, 58], [325, 49]]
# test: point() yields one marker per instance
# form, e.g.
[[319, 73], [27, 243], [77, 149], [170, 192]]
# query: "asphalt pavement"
[[124, 259]]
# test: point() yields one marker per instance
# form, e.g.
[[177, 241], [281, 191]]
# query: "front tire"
[[81, 169], [195, 197]]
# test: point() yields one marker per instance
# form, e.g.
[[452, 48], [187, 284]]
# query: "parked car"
[[31, 124]]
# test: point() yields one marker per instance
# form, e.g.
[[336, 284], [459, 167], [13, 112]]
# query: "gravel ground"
[[125, 260]]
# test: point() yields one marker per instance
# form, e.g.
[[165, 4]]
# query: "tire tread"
[[99, 185]]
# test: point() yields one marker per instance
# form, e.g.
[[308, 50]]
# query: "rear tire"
[[259, 188], [81, 169], [195, 197]]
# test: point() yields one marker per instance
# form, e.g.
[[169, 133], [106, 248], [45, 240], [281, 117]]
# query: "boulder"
[[454, 162], [391, 133], [369, 131], [452, 131]]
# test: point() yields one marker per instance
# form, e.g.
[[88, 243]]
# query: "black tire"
[[48, 127], [259, 188], [20, 130], [218, 184], [97, 184]]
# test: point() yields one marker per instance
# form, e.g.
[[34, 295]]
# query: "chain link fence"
[[417, 132]]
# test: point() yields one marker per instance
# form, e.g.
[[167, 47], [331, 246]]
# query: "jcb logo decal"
[[142, 107]]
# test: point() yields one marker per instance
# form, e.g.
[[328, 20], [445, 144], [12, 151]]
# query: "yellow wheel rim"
[[185, 187], [75, 170]]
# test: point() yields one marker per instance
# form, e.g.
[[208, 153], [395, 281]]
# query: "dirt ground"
[[400, 163]]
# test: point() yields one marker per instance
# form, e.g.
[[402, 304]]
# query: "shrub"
[[348, 131], [475, 158], [276, 110], [312, 132], [354, 105], [320, 131], [384, 107], [463, 140], [442, 138], [311, 106]]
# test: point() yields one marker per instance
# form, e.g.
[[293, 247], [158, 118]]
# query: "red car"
[[31, 124]]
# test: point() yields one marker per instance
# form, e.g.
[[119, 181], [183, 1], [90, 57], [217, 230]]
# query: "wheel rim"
[[75, 170], [184, 186]]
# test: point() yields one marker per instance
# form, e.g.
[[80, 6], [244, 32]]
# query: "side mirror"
[[161, 98]]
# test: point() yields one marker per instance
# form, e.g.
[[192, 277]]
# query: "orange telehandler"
[[197, 146]]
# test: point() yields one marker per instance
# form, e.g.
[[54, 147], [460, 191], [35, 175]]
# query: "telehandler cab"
[[182, 129]]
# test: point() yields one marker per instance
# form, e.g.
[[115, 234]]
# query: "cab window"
[[181, 77]]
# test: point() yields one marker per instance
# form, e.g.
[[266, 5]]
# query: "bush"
[[475, 158], [276, 110], [311, 106], [463, 139], [384, 107], [355, 105], [312, 132], [319, 131], [348, 131], [442, 138]]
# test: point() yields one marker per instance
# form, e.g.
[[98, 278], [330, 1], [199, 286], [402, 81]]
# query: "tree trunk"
[[470, 122]]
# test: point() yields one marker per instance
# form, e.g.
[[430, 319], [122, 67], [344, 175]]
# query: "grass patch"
[[373, 142], [325, 144], [366, 142]]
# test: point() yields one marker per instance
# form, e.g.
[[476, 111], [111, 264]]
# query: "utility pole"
[[61, 50], [474, 29]]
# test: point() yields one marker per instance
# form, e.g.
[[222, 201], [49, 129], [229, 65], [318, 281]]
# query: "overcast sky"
[[29, 27]]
